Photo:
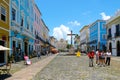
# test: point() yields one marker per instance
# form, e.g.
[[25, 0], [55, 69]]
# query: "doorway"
[[110, 47], [26, 48], [2, 53], [118, 48]]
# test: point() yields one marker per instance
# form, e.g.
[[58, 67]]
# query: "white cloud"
[[104, 16], [61, 32], [74, 23]]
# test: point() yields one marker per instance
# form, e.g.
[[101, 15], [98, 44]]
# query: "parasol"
[[4, 48]]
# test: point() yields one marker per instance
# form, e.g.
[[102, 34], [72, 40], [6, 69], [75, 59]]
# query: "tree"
[[69, 46]]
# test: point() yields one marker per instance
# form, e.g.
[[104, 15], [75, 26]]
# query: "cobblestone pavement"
[[19, 66], [29, 72], [69, 67]]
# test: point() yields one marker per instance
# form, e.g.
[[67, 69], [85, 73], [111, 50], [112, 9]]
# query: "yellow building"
[[4, 28]]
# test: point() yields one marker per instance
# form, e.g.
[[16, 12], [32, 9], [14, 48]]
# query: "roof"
[[84, 27], [96, 22]]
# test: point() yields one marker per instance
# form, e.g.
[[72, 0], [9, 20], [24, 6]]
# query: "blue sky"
[[61, 16]]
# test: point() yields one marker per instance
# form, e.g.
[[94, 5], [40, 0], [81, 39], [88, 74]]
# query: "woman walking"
[[102, 58], [97, 57]]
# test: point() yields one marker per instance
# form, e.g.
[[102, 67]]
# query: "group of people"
[[102, 58]]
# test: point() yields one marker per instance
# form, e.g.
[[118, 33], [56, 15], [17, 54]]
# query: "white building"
[[61, 44], [84, 33], [113, 34]]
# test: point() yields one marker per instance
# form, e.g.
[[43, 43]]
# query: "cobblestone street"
[[67, 67]]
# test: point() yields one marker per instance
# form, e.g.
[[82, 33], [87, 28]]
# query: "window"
[[22, 22], [109, 31], [3, 13], [117, 28], [13, 14], [104, 36], [104, 26], [27, 25], [32, 29]]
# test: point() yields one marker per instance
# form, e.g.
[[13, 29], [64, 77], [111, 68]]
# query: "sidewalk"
[[29, 72], [116, 58]]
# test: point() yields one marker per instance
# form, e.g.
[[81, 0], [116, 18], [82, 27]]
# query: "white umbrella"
[[4, 48]]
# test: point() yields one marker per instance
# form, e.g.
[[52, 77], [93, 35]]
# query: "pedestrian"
[[91, 57], [108, 57], [47, 52], [39, 54], [97, 57], [102, 58]]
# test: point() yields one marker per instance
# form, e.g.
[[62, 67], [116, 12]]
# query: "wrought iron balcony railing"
[[109, 36], [117, 34]]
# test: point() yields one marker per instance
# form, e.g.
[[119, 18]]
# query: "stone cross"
[[71, 34]]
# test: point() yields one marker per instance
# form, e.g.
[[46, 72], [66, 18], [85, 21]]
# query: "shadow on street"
[[5, 76]]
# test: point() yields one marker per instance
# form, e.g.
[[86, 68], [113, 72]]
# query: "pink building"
[[37, 28]]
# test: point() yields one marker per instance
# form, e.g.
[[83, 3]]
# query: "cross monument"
[[71, 34]]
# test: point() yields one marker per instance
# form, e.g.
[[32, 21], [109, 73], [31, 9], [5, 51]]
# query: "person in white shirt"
[[97, 57], [108, 58]]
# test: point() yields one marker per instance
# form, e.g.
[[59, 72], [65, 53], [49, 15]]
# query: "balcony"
[[27, 33], [15, 26], [109, 36], [40, 38], [117, 34]]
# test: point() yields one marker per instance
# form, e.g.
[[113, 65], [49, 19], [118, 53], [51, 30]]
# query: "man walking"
[[38, 54], [108, 58], [91, 57]]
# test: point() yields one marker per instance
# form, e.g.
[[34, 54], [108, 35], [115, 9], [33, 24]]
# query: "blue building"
[[97, 38], [21, 31]]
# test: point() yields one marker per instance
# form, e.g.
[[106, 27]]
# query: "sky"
[[62, 16]]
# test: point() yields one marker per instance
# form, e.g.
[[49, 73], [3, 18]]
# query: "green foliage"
[[68, 46]]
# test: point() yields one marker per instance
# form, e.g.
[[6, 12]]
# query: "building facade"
[[44, 37], [4, 28], [61, 44], [21, 33], [52, 42], [84, 38], [113, 34], [37, 28], [77, 42], [97, 32]]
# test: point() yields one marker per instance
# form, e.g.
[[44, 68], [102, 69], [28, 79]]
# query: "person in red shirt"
[[91, 58]]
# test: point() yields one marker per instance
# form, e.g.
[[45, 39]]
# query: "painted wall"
[[112, 25], [97, 31], [4, 28]]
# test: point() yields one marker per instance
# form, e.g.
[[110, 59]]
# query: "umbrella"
[[4, 48]]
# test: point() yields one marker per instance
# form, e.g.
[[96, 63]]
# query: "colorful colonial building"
[[44, 37], [4, 29], [37, 28], [113, 34], [84, 32], [77, 42], [97, 32], [41, 32], [21, 22]]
